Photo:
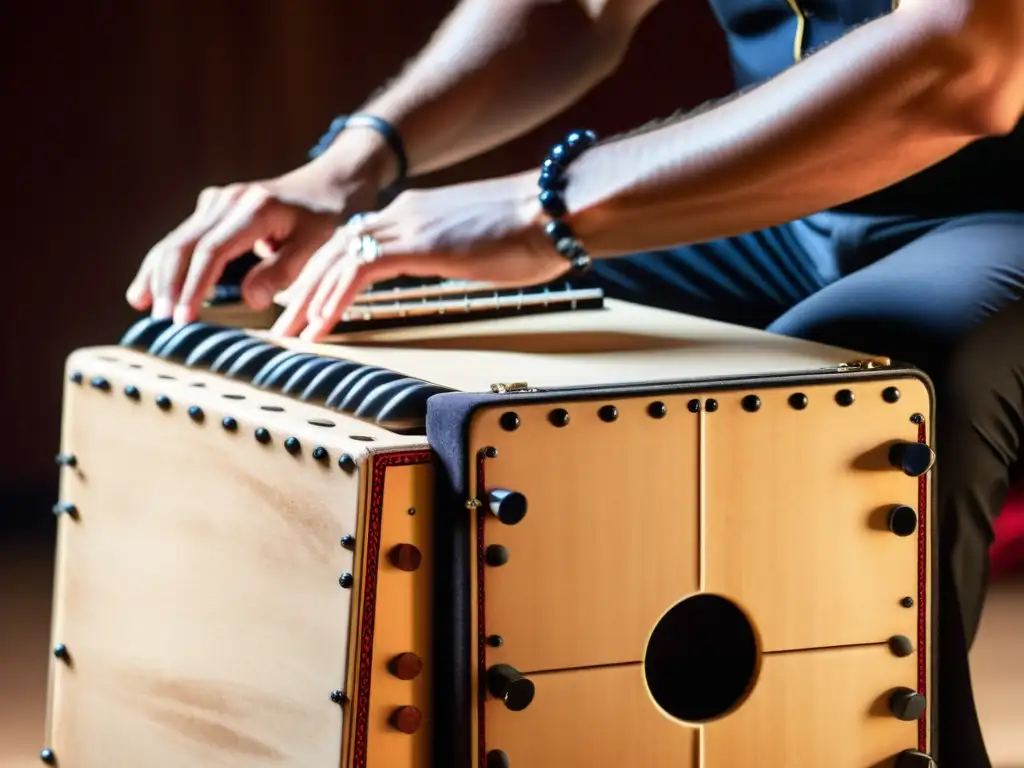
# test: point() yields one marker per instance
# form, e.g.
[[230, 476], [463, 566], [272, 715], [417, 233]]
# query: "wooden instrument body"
[[198, 592], [198, 586], [780, 511]]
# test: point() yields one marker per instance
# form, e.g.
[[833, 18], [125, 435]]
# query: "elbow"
[[978, 50], [989, 100]]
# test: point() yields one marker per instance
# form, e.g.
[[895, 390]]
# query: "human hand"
[[482, 231], [285, 220]]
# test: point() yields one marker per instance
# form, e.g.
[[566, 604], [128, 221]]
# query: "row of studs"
[[798, 401], [261, 434]]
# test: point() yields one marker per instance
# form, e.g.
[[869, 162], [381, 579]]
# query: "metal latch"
[[507, 389]]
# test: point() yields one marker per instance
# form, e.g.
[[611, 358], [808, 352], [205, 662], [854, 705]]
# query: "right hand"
[[284, 220]]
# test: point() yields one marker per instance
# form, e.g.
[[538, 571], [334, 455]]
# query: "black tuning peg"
[[508, 506], [911, 758], [913, 459], [506, 683], [907, 704]]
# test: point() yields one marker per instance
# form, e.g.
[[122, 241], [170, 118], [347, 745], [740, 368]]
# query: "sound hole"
[[321, 423], [272, 408], [364, 438], [702, 659]]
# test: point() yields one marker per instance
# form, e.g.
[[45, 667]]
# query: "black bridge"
[[388, 398]]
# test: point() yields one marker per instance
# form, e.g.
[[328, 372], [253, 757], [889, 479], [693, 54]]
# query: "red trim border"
[[922, 594], [379, 466], [481, 626]]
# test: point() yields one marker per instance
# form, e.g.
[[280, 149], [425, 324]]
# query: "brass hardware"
[[868, 364], [473, 504], [504, 389]]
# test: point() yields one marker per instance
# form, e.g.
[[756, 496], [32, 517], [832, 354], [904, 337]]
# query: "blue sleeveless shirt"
[[766, 37]]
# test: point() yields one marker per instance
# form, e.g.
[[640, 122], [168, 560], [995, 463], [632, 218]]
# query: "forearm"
[[879, 105], [493, 71]]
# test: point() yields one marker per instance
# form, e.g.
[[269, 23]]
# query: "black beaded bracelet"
[[363, 120], [552, 183]]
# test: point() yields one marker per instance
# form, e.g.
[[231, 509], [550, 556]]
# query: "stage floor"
[[26, 577]]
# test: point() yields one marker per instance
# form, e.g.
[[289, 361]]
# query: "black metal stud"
[[845, 397], [498, 759], [100, 383], [338, 697], [163, 402], [891, 394], [76, 377], [262, 435], [509, 421], [917, 418], [346, 580], [495, 641], [346, 462], [907, 602], [229, 423], [496, 555], [901, 646], [693, 406], [657, 410], [66, 460], [66, 508], [559, 417], [798, 401], [711, 405], [489, 452], [132, 392], [320, 453], [751, 403], [196, 414], [48, 757], [60, 651], [348, 542], [293, 446], [608, 413]]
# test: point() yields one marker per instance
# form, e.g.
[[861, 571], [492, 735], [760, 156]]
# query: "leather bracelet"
[[552, 183], [363, 120]]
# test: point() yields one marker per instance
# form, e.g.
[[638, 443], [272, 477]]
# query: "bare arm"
[[886, 101], [494, 70]]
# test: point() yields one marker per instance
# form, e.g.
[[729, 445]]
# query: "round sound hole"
[[702, 659]]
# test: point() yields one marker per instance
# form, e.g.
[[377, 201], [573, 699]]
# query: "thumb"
[[275, 272]]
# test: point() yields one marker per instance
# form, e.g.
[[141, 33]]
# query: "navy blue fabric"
[[761, 36]]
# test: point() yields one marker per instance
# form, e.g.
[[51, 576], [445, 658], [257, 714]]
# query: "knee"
[[981, 391]]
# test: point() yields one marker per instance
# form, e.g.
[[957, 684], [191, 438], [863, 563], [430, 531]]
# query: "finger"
[[171, 256], [348, 284], [324, 288], [240, 226], [302, 290], [277, 270], [138, 294]]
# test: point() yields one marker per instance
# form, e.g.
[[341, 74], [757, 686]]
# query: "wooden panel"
[[597, 717], [609, 541], [198, 591], [796, 506], [817, 708], [404, 618]]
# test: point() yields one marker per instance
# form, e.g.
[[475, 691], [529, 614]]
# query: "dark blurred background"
[[118, 112]]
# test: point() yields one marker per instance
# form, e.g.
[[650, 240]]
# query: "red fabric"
[[1007, 554]]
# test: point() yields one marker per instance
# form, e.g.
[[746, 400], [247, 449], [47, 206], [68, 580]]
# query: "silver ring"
[[366, 249]]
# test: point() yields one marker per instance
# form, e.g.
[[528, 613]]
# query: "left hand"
[[486, 231]]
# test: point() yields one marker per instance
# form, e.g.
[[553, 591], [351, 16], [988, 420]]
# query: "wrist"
[[357, 157]]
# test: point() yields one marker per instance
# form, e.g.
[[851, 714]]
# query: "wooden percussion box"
[[555, 530]]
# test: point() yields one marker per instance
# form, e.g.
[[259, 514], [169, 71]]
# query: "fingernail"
[[310, 331], [182, 314], [259, 296], [162, 309]]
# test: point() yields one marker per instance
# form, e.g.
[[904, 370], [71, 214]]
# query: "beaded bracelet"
[[552, 183]]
